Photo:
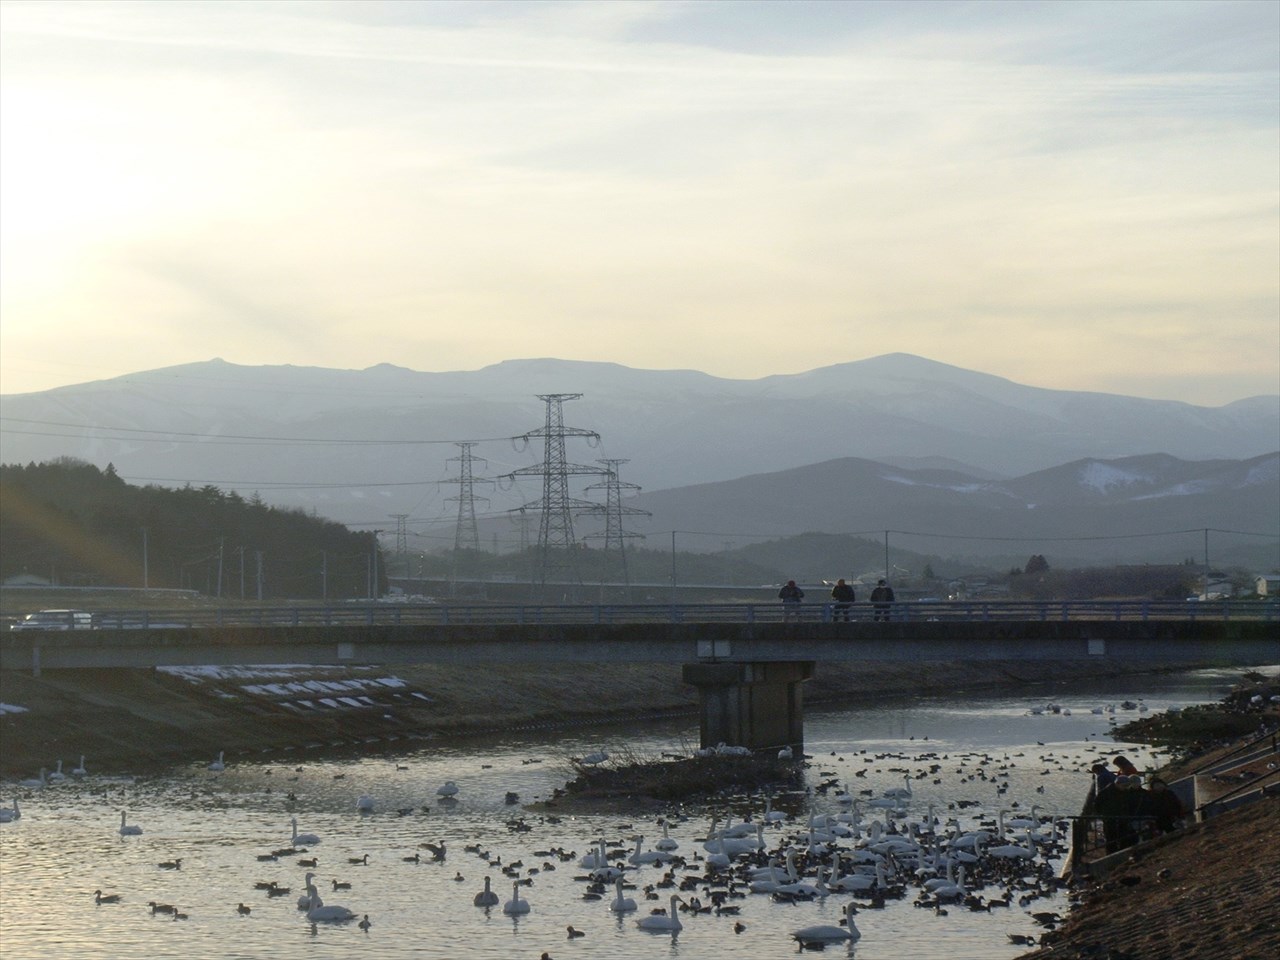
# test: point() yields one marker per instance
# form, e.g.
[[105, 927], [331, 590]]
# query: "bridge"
[[748, 661]]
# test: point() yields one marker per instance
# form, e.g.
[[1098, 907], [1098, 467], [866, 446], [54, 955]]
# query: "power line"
[[166, 436]]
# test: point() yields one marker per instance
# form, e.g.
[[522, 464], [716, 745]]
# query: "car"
[[55, 620]]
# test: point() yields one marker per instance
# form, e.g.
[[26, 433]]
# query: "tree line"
[[70, 523]]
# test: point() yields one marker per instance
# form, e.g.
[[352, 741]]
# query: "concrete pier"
[[756, 705]]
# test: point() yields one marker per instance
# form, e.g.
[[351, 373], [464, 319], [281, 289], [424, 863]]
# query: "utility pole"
[[146, 570], [555, 533]]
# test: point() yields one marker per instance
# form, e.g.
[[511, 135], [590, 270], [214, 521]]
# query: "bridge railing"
[[392, 614]]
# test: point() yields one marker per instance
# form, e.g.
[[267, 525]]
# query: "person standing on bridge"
[[790, 595], [843, 595], [882, 597]]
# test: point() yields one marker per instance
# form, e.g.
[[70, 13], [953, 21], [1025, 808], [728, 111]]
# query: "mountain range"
[[896, 442]]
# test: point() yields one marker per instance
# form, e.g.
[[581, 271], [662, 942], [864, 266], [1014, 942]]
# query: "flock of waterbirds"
[[870, 845]]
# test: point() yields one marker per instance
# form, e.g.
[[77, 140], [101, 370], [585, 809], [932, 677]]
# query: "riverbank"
[[137, 720], [1209, 892]]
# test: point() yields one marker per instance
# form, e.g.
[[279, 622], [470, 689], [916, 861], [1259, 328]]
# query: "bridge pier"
[[756, 704]]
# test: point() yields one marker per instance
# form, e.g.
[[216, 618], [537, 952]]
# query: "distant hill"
[[358, 446], [1089, 510]]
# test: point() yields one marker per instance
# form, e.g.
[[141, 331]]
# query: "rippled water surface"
[[67, 843]]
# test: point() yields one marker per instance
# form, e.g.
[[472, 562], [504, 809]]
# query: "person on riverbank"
[[1125, 768], [882, 597], [1163, 806], [844, 596], [790, 595]]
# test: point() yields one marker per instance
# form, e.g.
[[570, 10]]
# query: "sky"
[[1074, 195]]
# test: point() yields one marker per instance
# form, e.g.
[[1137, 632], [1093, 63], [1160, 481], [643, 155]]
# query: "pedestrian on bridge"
[[844, 597], [882, 597], [790, 595]]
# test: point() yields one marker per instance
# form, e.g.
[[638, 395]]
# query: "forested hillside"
[[73, 524]]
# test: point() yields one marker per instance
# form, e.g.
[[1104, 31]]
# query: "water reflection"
[[412, 859]]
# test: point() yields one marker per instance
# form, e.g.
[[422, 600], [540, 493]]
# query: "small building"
[[1267, 585]]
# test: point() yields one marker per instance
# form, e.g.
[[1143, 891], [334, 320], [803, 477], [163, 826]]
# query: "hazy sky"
[[1076, 195]]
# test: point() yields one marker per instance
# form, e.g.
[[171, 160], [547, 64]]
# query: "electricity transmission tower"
[[466, 535], [556, 547], [402, 542], [615, 536]]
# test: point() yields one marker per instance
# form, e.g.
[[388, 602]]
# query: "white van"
[[55, 620]]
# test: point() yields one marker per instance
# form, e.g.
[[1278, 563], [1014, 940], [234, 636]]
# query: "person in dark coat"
[[790, 595], [1163, 806], [1110, 806], [882, 596], [844, 596]]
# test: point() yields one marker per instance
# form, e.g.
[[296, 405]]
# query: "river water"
[[67, 842]]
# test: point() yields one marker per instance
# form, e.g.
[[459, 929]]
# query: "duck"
[[827, 933], [668, 922], [243, 910], [365, 924], [486, 897], [341, 884], [305, 839], [128, 829], [515, 906], [575, 934], [100, 897]]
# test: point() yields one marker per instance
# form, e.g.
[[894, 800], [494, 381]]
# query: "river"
[[67, 842]]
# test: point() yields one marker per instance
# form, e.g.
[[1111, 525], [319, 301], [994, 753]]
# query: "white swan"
[[666, 843], [515, 906], [771, 815], [592, 759], [826, 933], [217, 765], [364, 803], [311, 898], [642, 857], [952, 890], [303, 839], [621, 904], [57, 776], [596, 859], [900, 793], [10, 814], [128, 829], [486, 897], [322, 913], [35, 783], [663, 923], [80, 771], [448, 789]]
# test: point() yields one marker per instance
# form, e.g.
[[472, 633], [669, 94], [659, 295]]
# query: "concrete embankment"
[[129, 720]]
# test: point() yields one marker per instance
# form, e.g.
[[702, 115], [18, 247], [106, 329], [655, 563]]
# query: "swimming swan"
[[662, 923], [515, 905], [826, 933], [621, 904], [320, 913], [218, 765], [486, 897], [128, 829], [306, 839]]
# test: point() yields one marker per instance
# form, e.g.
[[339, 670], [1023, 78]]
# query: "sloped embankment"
[[127, 719]]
